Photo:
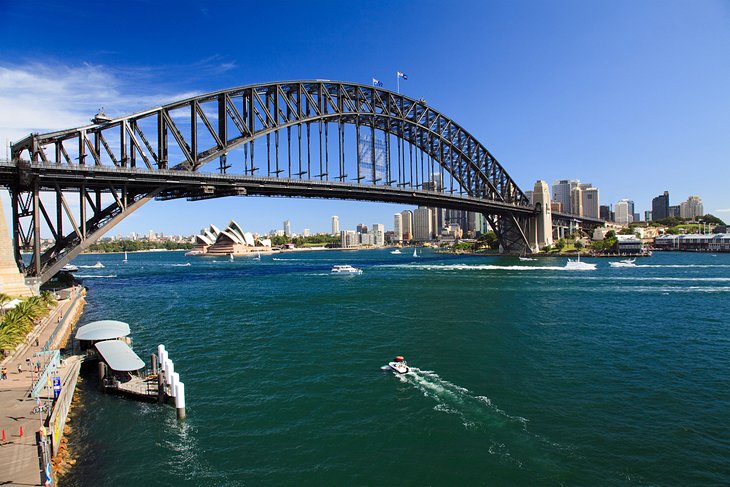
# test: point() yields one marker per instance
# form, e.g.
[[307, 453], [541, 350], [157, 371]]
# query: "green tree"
[[578, 245], [712, 220], [560, 244]]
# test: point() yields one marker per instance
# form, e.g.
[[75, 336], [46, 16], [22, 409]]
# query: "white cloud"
[[44, 97], [724, 210]]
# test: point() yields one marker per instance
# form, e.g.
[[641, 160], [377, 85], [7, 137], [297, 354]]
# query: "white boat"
[[98, 265], [526, 259], [399, 365], [194, 252], [577, 265], [125, 257], [69, 268], [345, 269], [230, 256], [258, 255], [623, 263], [415, 252], [396, 251]]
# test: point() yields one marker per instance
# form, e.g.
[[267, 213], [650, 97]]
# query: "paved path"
[[19, 463]]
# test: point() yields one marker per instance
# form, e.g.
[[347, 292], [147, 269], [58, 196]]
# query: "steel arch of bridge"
[[159, 153]]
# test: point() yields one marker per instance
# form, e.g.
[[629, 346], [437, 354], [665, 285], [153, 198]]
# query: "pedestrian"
[[36, 341], [4, 373], [20, 368]]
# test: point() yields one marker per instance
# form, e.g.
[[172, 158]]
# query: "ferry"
[[346, 269], [577, 265]]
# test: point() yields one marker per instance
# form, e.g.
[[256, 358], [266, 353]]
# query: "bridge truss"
[[318, 139]]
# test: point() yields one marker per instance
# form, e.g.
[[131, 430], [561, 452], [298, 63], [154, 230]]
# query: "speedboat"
[[346, 269], [623, 263], [399, 365], [194, 252], [98, 265], [69, 268], [526, 259], [396, 251], [577, 265]]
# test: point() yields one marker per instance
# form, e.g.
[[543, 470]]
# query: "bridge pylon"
[[540, 231]]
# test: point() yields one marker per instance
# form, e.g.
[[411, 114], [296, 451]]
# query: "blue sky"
[[631, 96]]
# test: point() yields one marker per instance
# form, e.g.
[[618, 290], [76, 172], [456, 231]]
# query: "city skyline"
[[565, 103]]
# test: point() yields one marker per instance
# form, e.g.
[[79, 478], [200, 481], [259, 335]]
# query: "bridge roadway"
[[201, 185]]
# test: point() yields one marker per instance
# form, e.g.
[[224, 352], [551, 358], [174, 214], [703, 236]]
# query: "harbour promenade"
[[19, 452]]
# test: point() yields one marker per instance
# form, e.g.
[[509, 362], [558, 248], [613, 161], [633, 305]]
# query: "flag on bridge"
[[377, 82], [402, 75]]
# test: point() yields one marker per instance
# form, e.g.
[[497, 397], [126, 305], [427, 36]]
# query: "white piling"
[[174, 382], [169, 371], [180, 400], [160, 349], [163, 359]]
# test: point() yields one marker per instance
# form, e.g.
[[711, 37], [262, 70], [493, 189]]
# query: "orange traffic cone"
[[21, 431]]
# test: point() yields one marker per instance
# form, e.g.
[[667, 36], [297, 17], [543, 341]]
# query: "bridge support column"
[[541, 225], [12, 281]]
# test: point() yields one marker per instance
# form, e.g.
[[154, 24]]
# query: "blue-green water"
[[523, 373]]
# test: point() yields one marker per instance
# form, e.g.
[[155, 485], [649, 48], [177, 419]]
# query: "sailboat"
[[415, 252], [125, 257], [230, 256], [258, 255]]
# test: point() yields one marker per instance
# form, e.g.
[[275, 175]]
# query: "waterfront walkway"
[[19, 463]]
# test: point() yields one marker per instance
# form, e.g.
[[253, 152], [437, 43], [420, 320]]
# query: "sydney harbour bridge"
[[313, 139]]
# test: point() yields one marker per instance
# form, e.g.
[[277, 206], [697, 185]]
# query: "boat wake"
[[474, 267], [507, 435], [89, 276], [187, 264]]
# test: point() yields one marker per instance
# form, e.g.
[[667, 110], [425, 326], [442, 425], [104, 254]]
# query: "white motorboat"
[[230, 256], [399, 365], [69, 268], [396, 252], [623, 263], [526, 259], [346, 269], [193, 253], [125, 257], [98, 265], [258, 256], [577, 265]]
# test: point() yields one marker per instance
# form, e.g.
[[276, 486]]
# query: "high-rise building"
[[623, 217], [647, 216], [397, 227], [576, 201], [561, 192], [349, 239], [674, 211], [361, 228], [692, 208], [422, 220], [660, 207], [590, 202], [605, 213], [378, 234], [407, 221], [438, 215], [287, 228], [335, 225]]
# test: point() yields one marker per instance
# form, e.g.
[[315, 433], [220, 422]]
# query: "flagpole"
[[397, 81]]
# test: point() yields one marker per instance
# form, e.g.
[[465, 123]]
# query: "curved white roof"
[[119, 356], [103, 330], [248, 238]]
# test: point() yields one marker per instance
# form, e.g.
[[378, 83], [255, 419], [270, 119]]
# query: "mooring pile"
[[168, 381]]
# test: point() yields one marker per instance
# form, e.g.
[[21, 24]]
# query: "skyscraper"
[[397, 227], [561, 192], [422, 219], [335, 225], [407, 221], [591, 205], [660, 207], [692, 208], [623, 217], [287, 228], [576, 201], [378, 234]]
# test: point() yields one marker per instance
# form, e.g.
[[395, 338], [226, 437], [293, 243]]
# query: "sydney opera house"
[[232, 240]]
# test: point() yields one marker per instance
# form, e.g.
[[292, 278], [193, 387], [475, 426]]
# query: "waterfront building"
[[407, 221], [365, 239], [335, 225], [234, 240], [692, 208], [205, 239], [349, 239], [422, 221], [590, 203], [397, 227], [623, 216], [628, 244], [361, 228], [287, 228], [711, 242], [562, 193], [378, 234], [660, 207]]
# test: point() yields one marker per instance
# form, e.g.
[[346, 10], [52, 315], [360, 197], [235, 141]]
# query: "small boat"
[[98, 265], [125, 257], [346, 269], [230, 256], [399, 365], [526, 259], [193, 252], [623, 263], [577, 265], [396, 252], [69, 268], [415, 252]]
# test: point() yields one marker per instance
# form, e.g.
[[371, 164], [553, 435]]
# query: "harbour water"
[[523, 373]]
